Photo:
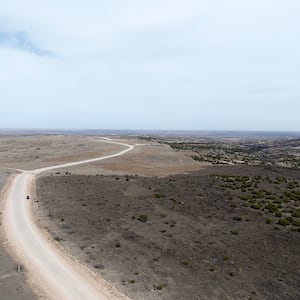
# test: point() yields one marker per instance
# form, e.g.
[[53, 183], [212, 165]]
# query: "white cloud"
[[154, 62]]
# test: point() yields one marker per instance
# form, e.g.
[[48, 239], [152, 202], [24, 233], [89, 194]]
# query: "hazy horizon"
[[153, 133], [160, 65]]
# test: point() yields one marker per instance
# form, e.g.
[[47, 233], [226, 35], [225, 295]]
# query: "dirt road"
[[56, 275]]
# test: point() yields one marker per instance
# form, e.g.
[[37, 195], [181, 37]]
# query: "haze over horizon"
[[160, 65]]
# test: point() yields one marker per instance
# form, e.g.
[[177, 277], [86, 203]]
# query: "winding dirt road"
[[56, 275]]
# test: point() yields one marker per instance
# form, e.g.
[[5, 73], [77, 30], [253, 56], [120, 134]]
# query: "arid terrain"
[[160, 224], [181, 236], [13, 285], [270, 151], [32, 152]]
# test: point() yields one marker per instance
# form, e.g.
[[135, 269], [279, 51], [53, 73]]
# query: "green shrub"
[[186, 262], [158, 196], [158, 287], [142, 218], [283, 222], [296, 223], [296, 213], [255, 206], [245, 197], [271, 207]]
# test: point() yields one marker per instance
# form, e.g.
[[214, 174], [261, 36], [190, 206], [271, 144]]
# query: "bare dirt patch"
[[185, 236], [32, 152], [145, 160]]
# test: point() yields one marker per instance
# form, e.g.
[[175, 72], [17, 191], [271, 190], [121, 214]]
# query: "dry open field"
[[30, 152], [161, 225], [144, 160], [177, 237], [158, 235]]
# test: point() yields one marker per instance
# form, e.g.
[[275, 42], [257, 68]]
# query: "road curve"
[[49, 270]]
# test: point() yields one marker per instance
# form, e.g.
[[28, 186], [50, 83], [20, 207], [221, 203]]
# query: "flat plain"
[[172, 220]]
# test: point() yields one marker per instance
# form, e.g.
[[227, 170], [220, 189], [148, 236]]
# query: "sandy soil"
[[13, 285], [145, 160], [151, 159], [32, 152]]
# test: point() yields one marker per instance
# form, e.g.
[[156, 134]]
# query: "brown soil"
[[144, 160], [183, 236], [32, 152], [188, 236]]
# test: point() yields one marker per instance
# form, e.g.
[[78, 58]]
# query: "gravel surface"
[[13, 285]]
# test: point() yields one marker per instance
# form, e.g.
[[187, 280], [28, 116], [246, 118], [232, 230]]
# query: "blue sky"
[[194, 65]]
